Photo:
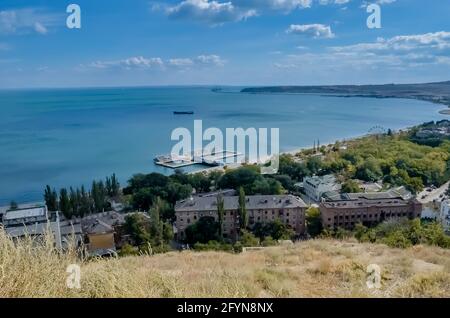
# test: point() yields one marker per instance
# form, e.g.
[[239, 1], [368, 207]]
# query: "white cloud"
[[140, 62], [214, 60], [427, 41], [210, 12], [39, 28], [137, 62], [218, 12], [399, 53], [279, 5], [26, 20], [325, 2], [380, 2], [181, 62], [315, 30]]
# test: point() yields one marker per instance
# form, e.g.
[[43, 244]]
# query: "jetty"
[[214, 159]]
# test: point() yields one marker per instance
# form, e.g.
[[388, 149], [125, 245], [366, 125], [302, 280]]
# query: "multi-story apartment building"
[[316, 186], [260, 208], [346, 210]]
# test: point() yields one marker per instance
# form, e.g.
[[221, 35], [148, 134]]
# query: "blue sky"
[[222, 42]]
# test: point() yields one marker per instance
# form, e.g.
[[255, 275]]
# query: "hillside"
[[433, 92], [320, 268]]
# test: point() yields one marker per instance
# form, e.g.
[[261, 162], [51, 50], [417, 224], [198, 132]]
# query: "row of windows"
[[365, 216]]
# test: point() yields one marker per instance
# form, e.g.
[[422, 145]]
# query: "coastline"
[[436, 92], [30, 193]]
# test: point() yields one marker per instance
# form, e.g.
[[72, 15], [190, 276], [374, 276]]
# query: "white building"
[[316, 186], [445, 215], [36, 220]]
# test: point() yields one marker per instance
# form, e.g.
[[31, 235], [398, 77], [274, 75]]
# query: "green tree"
[[86, 204], [115, 186], [369, 170], [161, 233], [137, 226], [243, 215], [314, 164], [313, 221], [203, 231], [13, 206], [276, 229], [350, 186], [51, 198], [247, 239], [220, 214], [64, 203], [75, 203]]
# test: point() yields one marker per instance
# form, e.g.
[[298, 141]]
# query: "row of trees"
[[251, 180], [78, 202], [403, 233]]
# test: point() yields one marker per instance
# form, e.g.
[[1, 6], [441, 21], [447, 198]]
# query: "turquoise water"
[[69, 137]]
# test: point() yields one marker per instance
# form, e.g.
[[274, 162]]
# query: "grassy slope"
[[311, 269]]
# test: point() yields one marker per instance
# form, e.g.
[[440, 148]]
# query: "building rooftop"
[[393, 197], [25, 213], [232, 203], [101, 222], [97, 227], [317, 180]]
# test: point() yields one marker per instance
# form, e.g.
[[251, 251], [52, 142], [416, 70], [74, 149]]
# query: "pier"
[[214, 159]]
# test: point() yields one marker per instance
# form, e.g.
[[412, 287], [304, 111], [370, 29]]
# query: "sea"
[[69, 137]]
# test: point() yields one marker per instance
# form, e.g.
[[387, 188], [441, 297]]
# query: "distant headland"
[[438, 92]]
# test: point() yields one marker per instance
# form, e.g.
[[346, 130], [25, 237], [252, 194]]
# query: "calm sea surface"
[[69, 137]]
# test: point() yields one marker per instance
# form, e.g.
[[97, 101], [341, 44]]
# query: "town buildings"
[[35, 220], [316, 186], [445, 215], [347, 210], [99, 233], [102, 232], [260, 208]]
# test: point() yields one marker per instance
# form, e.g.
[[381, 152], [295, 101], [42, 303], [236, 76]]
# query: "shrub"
[[269, 241]]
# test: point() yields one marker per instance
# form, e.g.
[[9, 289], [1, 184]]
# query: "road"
[[427, 197]]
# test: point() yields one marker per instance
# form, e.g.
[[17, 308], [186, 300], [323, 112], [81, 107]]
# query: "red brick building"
[[260, 208], [347, 210]]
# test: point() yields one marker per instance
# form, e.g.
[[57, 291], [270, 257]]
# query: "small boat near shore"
[[183, 113]]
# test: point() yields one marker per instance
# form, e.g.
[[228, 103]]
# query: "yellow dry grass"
[[318, 268]]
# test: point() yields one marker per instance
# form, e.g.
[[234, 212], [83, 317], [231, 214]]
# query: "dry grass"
[[320, 268]]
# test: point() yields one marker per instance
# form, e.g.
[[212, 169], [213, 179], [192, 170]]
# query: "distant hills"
[[433, 92]]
